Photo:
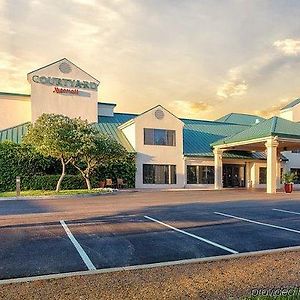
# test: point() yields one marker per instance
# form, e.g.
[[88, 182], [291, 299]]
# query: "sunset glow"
[[200, 59]]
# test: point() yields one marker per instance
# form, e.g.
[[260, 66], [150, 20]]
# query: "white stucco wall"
[[156, 154], [45, 100], [287, 114], [15, 110], [130, 133], [292, 113]]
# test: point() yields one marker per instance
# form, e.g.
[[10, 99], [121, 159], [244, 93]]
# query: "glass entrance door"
[[233, 176]]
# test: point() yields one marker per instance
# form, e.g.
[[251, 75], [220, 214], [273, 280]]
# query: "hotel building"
[[236, 150]]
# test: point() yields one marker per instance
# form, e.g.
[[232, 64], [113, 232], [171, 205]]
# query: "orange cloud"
[[193, 109], [274, 110]]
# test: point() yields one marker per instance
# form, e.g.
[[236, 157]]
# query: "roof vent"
[[159, 114], [65, 67]]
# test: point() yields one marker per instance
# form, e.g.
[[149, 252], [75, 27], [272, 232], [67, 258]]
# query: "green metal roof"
[[242, 119], [292, 104], [274, 126], [14, 134], [112, 130], [198, 135], [109, 126]]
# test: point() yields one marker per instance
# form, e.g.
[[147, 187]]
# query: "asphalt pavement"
[[52, 236]]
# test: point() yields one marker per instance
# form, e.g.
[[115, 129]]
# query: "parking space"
[[134, 241], [36, 250], [151, 234]]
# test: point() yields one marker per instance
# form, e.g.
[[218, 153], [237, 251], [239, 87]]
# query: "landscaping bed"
[[35, 193]]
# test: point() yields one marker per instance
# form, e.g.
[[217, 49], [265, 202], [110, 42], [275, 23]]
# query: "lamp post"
[[18, 185]]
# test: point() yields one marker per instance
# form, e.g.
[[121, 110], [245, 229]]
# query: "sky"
[[200, 59]]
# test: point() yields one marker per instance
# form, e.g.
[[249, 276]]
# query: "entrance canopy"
[[273, 136]]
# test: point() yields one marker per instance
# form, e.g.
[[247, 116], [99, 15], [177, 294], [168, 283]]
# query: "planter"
[[102, 184], [288, 187]]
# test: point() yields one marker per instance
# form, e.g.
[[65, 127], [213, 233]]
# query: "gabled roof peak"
[[241, 118], [63, 60], [274, 126], [124, 125]]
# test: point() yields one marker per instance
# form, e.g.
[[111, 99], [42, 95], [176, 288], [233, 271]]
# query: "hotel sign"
[[65, 83]]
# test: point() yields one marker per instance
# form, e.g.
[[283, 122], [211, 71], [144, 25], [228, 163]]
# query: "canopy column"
[[272, 162], [218, 154]]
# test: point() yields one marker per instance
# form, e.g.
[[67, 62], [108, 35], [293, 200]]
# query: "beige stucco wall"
[[155, 154], [45, 100], [15, 110]]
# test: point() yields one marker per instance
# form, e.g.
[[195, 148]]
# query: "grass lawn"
[[51, 193]]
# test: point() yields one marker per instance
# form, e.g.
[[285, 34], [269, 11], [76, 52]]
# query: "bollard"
[[18, 185]]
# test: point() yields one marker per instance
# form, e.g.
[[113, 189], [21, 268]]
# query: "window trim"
[[166, 137], [170, 168], [199, 168]]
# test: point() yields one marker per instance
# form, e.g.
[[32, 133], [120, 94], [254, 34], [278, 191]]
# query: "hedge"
[[48, 182], [39, 172], [22, 160]]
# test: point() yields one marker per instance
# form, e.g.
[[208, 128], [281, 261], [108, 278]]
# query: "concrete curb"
[[148, 266], [57, 196]]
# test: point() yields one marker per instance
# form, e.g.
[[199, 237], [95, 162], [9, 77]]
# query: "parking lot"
[[49, 236]]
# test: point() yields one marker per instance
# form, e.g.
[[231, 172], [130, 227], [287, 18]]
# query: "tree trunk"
[[88, 182], [85, 174], [63, 173]]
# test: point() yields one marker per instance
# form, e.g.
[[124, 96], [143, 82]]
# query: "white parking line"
[[286, 211], [193, 235], [258, 223], [80, 250]]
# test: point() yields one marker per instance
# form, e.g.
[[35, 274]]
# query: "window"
[[297, 173], [200, 175], [262, 175], [159, 174], [192, 175], [161, 137]]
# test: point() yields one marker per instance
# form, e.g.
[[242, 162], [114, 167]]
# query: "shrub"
[[48, 182], [22, 160], [124, 168]]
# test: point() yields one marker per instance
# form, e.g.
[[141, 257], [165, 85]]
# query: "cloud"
[[234, 86], [191, 108], [274, 110], [288, 46], [86, 2]]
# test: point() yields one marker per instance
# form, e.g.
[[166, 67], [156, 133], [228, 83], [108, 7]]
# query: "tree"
[[95, 150], [55, 136]]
